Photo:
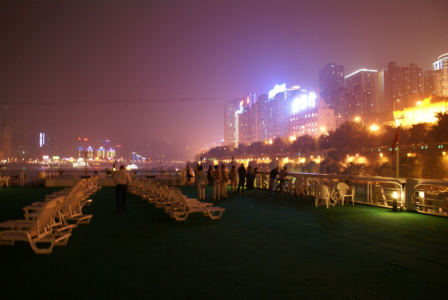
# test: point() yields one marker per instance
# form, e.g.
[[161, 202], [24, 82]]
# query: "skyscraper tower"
[[331, 85], [400, 83], [230, 108], [441, 65], [361, 89]]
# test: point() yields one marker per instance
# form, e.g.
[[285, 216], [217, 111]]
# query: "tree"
[[256, 148], [387, 138], [304, 143], [324, 141], [350, 134], [439, 132], [418, 133], [280, 145]]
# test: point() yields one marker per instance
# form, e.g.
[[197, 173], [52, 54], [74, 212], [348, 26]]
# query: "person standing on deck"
[[209, 175], [200, 182], [217, 177], [233, 179], [282, 177], [122, 180], [189, 175], [249, 178], [272, 177], [241, 177], [225, 178]]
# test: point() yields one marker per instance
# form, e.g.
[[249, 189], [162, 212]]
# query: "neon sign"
[[277, 89], [303, 102]]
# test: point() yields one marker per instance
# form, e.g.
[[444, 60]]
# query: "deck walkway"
[[266, 246]]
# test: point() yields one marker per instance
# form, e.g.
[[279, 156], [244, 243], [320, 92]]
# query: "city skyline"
[[87, 68]]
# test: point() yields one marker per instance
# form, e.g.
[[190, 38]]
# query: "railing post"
[[409, 193]]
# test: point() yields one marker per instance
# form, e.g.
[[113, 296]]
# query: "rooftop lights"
[[361, 70]]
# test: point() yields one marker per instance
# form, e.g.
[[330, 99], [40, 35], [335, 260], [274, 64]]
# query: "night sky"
[[132, 70]]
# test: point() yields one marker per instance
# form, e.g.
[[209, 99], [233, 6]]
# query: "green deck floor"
[[266, 246]]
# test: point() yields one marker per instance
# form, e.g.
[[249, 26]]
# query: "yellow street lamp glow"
[[374, 127], [357, 119], [322, 128], [421, 194], [419, 102], [443, 153], [381, 154], [395, 195]]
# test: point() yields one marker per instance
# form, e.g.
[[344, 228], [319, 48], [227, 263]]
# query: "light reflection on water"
[[31, 170]]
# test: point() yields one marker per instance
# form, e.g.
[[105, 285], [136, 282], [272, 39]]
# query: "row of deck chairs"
[[51, 221], [171, 199]]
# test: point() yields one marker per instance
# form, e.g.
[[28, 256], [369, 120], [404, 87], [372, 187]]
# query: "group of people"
[[246, 177], [217, 177], [282, 178]]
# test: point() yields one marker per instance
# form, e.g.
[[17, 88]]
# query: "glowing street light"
[[374, 127], [357, 119], [398, 100]]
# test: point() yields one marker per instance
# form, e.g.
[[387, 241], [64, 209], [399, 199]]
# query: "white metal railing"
[[372, 190], [12, 177], [431, 197]]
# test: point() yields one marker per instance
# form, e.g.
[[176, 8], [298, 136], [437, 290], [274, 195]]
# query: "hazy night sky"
[[128, 50]]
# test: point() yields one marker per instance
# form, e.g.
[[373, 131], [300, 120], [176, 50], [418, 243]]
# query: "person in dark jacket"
[[209, 175], [242, 177], [272, 176], [249, 183]]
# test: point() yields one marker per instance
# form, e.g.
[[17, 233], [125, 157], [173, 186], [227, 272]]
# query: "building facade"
[[331, 86], [400, 84], [361, 93], [441, 79], [230, 108], [310, 115]]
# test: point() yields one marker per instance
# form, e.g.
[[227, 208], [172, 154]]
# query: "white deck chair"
[[167, 197], [4, 180], [182, 212], [35, 231], [179, 199], [344, 192], [73, 211], [322, 196]]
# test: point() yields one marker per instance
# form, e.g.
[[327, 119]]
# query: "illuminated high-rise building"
[[400, 83], [441, 79], [242, 122], [331, 85], [310, 115], [230, 108], [101, 152], [258, 121], [110, 153], [431, 80], [89, 152], [361, 93]]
